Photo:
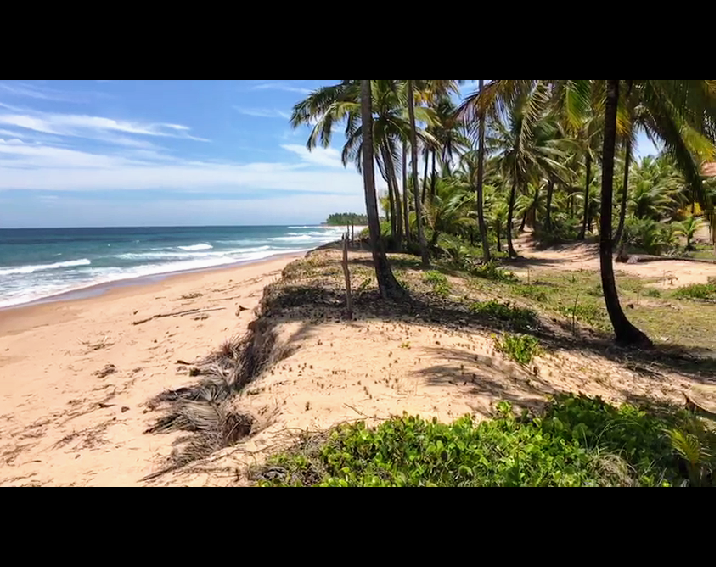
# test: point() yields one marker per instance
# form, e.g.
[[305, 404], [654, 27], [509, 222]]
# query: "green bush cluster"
[[492, 271], [521, 348], [517, 317], [705, 291], [578, 442], [439, 283]]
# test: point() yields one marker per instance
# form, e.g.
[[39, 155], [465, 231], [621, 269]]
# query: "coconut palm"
[[416, 184], [387, 284], [527, 146], [688, 228], [655, 186]]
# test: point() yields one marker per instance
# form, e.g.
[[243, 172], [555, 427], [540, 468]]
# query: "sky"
[[166, 153]]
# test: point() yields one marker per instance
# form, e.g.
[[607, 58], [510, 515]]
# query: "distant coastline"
[[47, 265]]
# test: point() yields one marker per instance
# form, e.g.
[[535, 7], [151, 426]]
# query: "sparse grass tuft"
[[530, 292], [520, 348]]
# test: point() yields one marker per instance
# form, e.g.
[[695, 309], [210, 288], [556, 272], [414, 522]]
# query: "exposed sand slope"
[[53, 430], [430, 361], [382, 366]]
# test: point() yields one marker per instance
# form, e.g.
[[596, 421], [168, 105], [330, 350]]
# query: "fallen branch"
[[178, 314], [637, 259]]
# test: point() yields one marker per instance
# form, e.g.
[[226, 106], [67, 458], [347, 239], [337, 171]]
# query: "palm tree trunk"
[[414, 147], [388, 285], [390, 170], [585, 218], [391, 199], [425, 176], [480, 187], [434, 177], [625, 195], [510, 218], [406, 192], [550, 196], [626, 333]]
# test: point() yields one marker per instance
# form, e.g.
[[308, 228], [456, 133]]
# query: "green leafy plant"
[[517, 317], [492, 271], [521, 348], [705, 291], [439, 282], [576, 442], [532, 292]]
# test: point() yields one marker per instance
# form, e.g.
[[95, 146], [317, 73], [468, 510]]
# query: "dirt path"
[[576, 257]]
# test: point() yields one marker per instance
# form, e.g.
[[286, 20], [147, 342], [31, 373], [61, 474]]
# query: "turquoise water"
[[40, 263]]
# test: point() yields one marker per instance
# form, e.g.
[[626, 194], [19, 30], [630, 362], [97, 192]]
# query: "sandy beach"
[[75, 374]]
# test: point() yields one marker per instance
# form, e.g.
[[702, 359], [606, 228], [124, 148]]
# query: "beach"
[[76, 374]]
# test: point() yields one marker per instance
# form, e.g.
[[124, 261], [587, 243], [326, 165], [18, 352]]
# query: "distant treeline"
[[343, 219]]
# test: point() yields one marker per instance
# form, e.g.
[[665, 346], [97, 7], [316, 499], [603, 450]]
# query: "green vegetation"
[[578, 442], [344, 219], [517, 317], [551, 162], [705, 291], [520, 348], [439, 283]]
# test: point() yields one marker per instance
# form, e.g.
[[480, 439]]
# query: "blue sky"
[[158, 153]]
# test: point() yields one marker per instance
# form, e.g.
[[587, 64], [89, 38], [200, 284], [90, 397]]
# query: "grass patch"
[[492, 271], [578, 442], [516, 317], [705, 291], [531, 292], [439, 283], [520, 348]]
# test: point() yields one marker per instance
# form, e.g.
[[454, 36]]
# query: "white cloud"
[[26, 90], [90, 126], [318, 156], [36, 167], [262, 112], [281, 86]]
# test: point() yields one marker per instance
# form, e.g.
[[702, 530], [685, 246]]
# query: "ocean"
[[38, 264]]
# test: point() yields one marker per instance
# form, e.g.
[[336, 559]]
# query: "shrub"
[[697, 291], [578, 442], [439, 282], [650, 236], [517, 317], [520, 348], [492, 271], [435, 278]]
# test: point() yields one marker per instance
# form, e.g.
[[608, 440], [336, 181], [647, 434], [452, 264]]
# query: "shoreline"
[[102, 289], [79, 375]]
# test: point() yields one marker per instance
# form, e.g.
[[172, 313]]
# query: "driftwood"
[[178, 314], [347, 272], [636, 259]]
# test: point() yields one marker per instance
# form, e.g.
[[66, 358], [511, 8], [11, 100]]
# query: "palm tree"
[[388, 285], [655, 185], [527, 144], [416, 184], [688, 229], [626, 333], [480, 180]]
